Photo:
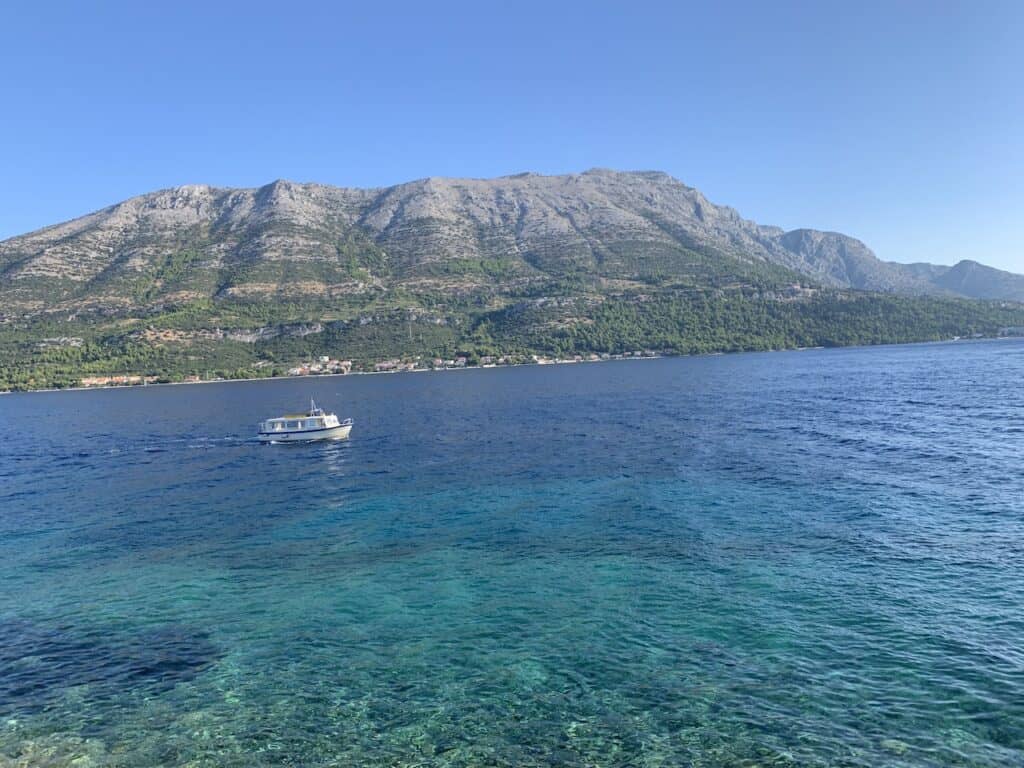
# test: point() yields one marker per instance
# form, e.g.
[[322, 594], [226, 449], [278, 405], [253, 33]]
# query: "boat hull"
[[339, 432]]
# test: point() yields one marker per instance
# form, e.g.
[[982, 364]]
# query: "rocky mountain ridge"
[[288, 240]]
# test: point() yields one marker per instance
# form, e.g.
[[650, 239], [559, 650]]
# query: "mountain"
[[969, 278], [199, 276], [288, 239]]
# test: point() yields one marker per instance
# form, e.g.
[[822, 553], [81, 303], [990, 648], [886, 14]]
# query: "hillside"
[[314, 240], [969, 278], [199, 278]]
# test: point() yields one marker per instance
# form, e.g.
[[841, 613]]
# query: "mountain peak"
[[280, 184]]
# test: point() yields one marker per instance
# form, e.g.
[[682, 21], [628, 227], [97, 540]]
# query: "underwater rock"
[[895, 746], [40, 662], [55, 751]]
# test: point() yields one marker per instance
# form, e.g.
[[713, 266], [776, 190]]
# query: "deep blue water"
[[788, 559]]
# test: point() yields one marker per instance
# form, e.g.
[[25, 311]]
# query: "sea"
[[806, 558]]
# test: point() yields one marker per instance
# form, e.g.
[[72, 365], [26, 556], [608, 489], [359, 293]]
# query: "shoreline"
[[486, 367], [364, 373]]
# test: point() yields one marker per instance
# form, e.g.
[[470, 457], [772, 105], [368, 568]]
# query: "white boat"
[[317, 424]]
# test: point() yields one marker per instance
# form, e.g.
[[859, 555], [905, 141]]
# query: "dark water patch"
[[39, 663]]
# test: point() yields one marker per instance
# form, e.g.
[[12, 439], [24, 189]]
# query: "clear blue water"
[[790, 559]]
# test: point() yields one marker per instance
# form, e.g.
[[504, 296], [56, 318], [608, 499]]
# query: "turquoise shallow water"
[[789, 559]]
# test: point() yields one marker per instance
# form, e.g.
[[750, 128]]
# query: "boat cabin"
[[295, 422]]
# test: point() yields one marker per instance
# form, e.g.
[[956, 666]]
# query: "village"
[[325, 365]]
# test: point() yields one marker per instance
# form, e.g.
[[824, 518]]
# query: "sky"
[[900, 123]]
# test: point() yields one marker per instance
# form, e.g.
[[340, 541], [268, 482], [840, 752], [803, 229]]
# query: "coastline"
[[629, 358], [362, 373]]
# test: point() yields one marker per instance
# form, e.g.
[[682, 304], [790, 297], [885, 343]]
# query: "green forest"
[[234, 339]]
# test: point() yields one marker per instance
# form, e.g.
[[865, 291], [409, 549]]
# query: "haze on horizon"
[[900, 125]]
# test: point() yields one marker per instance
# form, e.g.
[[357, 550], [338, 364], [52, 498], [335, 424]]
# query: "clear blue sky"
[[901, 123]]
